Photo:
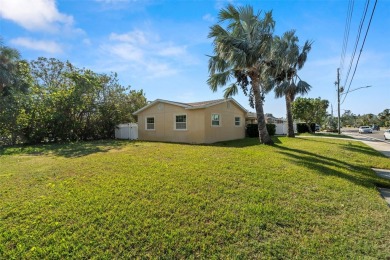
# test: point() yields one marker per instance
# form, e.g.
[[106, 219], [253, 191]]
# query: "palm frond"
[[217, 31], [230, 91], [302, 87], [303, 56], [216, 64], [230, 13], [219, 79], [281, 89]]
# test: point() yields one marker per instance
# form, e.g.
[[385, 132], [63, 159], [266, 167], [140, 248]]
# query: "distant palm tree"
[[289, 58], [9, 59], [240, 52]]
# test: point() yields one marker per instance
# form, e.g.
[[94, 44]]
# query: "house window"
[[181, 122], [215, 119], [150, 123], [237, 121]]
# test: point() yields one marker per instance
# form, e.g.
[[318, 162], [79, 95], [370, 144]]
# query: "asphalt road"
[[375, 134]]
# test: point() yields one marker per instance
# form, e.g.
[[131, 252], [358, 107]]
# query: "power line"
[[361, 50], [357, 41], [346, 33]]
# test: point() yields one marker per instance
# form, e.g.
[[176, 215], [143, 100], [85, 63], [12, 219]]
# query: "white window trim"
[[174, 122], [146, 123], [220, 120], [235, 121]]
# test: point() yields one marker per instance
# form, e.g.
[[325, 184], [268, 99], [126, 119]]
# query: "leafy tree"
[[289, 58], [14, 83], [9, 60], [384, 118], [63, 103], [310, 110], [348, 118], [79, 104], [240, 52]]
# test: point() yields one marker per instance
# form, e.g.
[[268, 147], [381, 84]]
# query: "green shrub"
[[303, 128], [252, 130], [271, 128]]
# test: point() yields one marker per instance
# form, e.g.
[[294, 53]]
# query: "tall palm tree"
[[289, 58], [240, 53]]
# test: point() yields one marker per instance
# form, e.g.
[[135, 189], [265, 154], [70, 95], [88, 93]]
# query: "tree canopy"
[[51, 100], [310, 110]]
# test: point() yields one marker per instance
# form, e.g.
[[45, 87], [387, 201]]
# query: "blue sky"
[[160, 46]]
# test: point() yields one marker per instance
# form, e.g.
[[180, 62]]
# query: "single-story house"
[[200, 122]]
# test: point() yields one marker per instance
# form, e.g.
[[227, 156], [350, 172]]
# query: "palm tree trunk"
[[263, 133], [290, 123]]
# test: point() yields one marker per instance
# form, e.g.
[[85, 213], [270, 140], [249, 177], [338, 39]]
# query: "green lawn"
[[302, 198]]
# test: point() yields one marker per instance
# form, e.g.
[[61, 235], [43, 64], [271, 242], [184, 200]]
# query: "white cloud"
[[175, 51], [125, 51], [39, 45], [208, 18], [87, 42], [36, 15], [146, 53], [134, 37]]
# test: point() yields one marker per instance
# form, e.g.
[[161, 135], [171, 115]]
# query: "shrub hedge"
[[303, 127], [253, 131]]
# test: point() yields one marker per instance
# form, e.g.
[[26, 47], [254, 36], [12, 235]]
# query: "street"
[[375, 134]]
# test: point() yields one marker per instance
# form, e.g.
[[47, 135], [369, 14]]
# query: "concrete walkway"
[[378, 144]]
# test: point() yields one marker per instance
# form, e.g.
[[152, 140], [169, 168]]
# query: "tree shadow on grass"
[[68, 150], [350, 145], [242, 143], [329, 166]]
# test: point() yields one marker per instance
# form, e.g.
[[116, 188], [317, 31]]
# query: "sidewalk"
[[378, 144]]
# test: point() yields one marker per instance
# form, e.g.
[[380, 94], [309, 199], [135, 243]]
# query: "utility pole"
[[338, 100]]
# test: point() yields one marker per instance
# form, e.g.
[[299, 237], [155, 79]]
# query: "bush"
[[303, 128], [252, 130], [271, 128]]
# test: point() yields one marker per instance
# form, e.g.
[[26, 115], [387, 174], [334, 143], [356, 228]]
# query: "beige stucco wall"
[[199, 129], [227, 129]]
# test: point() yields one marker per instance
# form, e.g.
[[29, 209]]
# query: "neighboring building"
[[280, 123], [270, 119], [201, 122], [251, 118]]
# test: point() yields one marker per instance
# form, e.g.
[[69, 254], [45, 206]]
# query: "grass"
[[301, 198], [323, 134]]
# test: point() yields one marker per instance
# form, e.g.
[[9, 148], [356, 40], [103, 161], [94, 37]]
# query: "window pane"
[[237, 121], [150, 123], [215, 119], [181, 118], [181, 126], [181, 122]]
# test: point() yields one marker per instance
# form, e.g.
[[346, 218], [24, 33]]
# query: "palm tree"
[[289, 58], [240, 52]]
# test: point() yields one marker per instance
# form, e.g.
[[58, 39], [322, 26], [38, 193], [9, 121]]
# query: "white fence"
[[282, 129], [126, 131]]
